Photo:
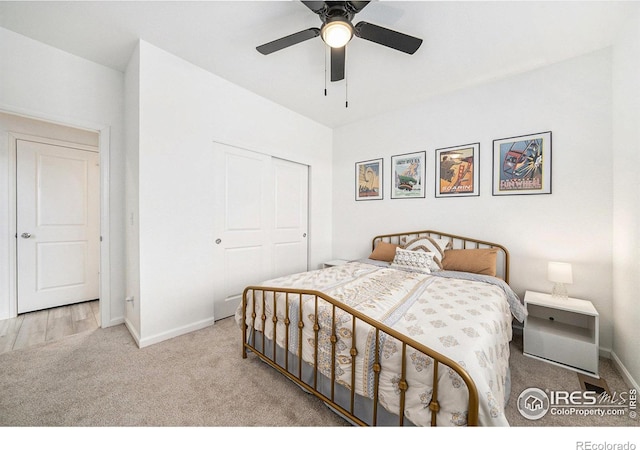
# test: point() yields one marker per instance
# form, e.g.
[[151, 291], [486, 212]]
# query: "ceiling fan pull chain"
[[325, 48], [346, 80]]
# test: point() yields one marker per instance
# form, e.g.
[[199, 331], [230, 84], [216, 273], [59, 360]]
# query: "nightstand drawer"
[[574, 350]]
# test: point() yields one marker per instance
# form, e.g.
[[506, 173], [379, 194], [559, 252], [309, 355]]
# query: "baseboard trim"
[[145, 342], [132, 332], [605, 352], [624, 372]]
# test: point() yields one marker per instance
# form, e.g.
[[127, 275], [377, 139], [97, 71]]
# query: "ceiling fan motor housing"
[[337, 11]]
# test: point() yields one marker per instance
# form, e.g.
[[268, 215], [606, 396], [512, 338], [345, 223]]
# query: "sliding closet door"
[[258, 225]]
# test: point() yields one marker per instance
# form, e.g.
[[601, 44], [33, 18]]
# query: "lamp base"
[[559, 291]]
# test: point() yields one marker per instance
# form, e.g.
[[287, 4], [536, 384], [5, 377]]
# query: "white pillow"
[[419, 261], [430, 245]]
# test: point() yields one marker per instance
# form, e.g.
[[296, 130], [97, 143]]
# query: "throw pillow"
[[474, 260], [429, 244], [419, 261], [384, 251]]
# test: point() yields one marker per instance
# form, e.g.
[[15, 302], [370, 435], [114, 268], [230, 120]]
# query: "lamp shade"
[[559, 272], [337, 33]]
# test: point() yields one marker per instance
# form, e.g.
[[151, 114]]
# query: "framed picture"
[[458, 171], [522, 165], [369, 180], [408, 175]]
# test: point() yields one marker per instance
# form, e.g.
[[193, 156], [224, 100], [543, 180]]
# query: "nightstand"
[[334, 262], [562, 332]]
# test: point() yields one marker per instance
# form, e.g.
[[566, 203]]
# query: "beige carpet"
[[102, 378]]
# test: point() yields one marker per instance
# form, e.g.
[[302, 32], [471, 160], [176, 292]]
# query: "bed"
[[369, 337]]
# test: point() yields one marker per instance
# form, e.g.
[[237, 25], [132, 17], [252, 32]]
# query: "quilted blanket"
[[463, 316]]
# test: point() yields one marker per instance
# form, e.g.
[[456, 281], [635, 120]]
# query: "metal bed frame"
[[309, 377]]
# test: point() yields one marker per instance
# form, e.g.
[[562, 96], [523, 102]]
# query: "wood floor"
[[48, 325]]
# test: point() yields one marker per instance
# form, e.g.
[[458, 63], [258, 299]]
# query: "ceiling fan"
[[337, 30]]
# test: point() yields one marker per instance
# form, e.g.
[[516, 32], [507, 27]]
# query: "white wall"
[[571, 99], [183, 109], [42, 82], [132, 168], [626, 183]]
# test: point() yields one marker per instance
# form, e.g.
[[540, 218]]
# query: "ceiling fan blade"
[[288, 41], [358, 6], [316, 7], [388, 38], [337, 63]]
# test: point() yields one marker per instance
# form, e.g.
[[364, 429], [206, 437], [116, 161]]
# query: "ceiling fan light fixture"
[[336, 33]]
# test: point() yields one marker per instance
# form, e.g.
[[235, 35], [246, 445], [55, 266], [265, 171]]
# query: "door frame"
[[105, 262]]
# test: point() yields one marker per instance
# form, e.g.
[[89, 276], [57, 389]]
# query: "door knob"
[[25, 235]]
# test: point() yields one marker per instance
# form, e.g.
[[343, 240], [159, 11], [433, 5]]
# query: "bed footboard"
[[282, 352]]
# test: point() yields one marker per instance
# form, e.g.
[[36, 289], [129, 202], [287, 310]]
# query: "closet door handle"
[[25, 235]]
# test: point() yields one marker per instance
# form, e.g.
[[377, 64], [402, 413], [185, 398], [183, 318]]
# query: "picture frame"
[[458, 171], [368, 178], [522, 165], [408, 175]]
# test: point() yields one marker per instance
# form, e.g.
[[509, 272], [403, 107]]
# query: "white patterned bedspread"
[[465, 317]]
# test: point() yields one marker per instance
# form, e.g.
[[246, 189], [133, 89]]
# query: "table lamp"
[[560, 274]]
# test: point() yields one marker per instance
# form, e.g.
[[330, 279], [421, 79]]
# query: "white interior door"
[[58, 232], [258, 210], [241, 223], [290, 251]]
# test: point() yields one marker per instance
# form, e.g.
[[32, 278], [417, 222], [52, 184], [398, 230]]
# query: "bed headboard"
[[456, 242]]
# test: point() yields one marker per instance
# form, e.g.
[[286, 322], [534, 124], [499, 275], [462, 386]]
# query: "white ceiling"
[[465, 43]]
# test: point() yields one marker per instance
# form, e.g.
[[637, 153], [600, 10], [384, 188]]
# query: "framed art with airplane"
[[458, 171]]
